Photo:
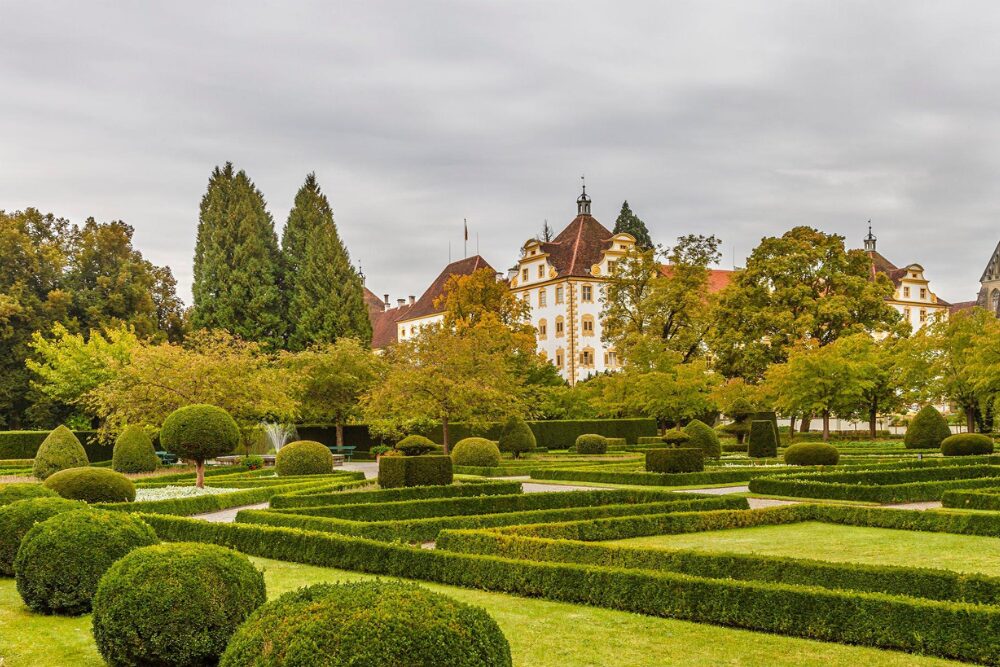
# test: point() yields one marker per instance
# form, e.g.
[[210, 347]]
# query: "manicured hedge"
[[763, 440], [59, 451], [303, 457], [11, 493], [679, 460], [978, 499], [927, 429], [590, 443], [476, 452], [18, 518], [704, 437], [557, 433], [400, 471], [92, 485], [424, 530], [932, 584], [307, 499], [939, 628], [812, 454], [134, 452], [967, 444], [24, 444], [600, 476]]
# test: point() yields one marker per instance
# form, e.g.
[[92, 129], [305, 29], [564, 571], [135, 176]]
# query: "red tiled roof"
[[960, 306], [881, 265], [578, 247], [384, 330], [718, 279], [373, 301]]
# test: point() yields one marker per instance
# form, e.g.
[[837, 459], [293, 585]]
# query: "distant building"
[[913, 297], [989, 291]]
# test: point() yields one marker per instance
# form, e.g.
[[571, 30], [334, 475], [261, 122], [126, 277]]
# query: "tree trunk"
[[340, 434], [444, 433], [791, 428], [200, 467], [806, 418], [826, 425], [873, 419], [970, 420]]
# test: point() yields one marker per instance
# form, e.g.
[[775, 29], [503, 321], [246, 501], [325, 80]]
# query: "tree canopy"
[[629, 223]]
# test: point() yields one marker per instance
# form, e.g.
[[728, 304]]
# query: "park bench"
[[346, 451]]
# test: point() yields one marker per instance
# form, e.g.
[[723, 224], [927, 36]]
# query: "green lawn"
[[541, 633], [961, 553]]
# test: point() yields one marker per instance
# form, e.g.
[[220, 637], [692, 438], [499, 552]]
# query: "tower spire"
[[870, 239], [583, 201]]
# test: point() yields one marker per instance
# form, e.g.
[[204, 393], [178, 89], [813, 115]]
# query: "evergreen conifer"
[[629, 223]]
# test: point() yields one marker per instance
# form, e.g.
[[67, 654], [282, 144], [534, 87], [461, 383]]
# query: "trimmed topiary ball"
[[591, 443], [368, 623], [134, 451], [174, 604], [60, 450], [967, 444], [478, 452], [61, 559], [199, 432], [516, 437], [927, 429], [18, 518], [416, 445], [676, 437], [93, 485], [704, 438], [812, 454], [304, 457], [11, 493]]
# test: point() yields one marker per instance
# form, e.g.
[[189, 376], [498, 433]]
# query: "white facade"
[[914, 299]]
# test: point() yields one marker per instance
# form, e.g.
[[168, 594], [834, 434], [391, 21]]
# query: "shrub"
[[174, 604], [967, 444], [199, 432], [763, 439], [92, 485], [61, 559], [304, 457], [416, 445], [517, 438], [704, 438], [591, 443], [675, 437], [59, 451], [678, 459], [18, 518], [927, 429], [134, 451], [812, 454], [368, 623], [400, 471], [11, 493], [476, 452]]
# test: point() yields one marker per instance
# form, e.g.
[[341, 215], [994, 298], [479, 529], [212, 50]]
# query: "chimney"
[[385, 302], [400, 302], [413, 299]]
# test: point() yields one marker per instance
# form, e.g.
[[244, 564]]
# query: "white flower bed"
[[169, 492]]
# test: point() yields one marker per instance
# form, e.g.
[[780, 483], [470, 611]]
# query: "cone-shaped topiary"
[[927, 429], [134, 451], [704, 438], [60, 450], [676, 437], [763, 439], [368, 623], [478, 452], [199, 432], [18, 518], [591, 443], [92, 485], [304, 457], [416, 445], [812, 454], [61, 559], [516, 437], [174, 604], [11, 493]]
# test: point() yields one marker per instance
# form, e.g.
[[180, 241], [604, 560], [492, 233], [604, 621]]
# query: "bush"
[[174, 604], [416, 445], [134, 451], [704, 438], [591, 443], [476, 452], [59, 451], [11, 493], [61, 559], [18, 518], [25, 444], [428, 470], [304, 457], [967, 444], [812, 454], [763, 439], [92, 485], [517, 438], [675, 437], [927, 429], [678, 459], [199, 432], [368, 623]]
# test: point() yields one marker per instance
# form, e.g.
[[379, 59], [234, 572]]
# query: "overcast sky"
[[740, 119]]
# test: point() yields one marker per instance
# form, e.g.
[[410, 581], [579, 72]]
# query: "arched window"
[[543, 329], [559, 357], [559, 326], [587, 325]]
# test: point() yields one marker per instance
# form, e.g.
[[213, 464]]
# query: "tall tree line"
[[302, 293]]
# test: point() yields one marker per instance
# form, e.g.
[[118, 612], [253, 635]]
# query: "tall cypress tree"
[[237, 271], [311, 210], [629, 223]]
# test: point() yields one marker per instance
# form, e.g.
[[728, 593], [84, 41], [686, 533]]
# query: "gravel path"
[[229, 515], [717, 491], [929, 505]]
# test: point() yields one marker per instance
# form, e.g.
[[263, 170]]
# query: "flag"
[[466, 229]]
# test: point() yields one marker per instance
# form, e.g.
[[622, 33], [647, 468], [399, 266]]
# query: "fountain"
[[278, 435]]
